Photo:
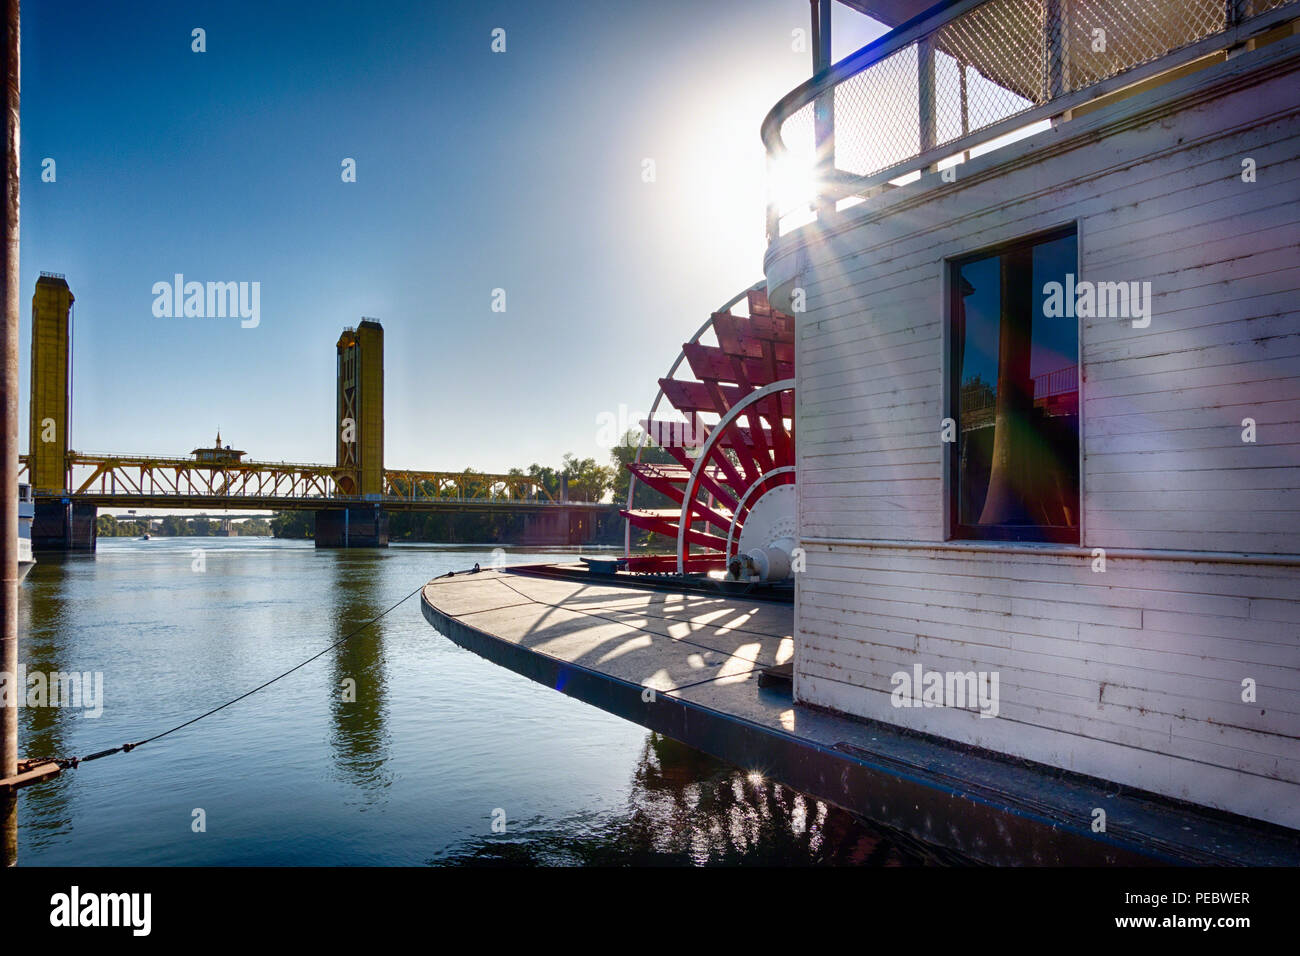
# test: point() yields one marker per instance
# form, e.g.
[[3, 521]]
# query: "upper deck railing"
[[960, 78]]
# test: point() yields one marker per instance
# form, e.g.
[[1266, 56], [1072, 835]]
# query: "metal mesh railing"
[[964, 78], [888, 91], [1107, 37], [988, 66], [798, 132]]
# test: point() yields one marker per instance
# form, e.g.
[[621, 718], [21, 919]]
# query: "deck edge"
[[930, 810]]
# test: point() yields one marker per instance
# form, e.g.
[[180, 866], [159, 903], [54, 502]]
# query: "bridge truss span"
[[121, 475], [120, 479]]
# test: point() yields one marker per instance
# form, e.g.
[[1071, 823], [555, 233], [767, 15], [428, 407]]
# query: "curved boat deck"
[[686, 664]]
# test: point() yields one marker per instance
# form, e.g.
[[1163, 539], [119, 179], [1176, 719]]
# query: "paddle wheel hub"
[[767, 538]]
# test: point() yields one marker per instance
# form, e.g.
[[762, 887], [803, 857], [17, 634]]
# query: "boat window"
[[1014, 393]]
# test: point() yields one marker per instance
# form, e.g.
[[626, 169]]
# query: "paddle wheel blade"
[[731, 445]]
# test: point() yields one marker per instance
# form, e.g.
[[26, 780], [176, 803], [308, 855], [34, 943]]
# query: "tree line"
[[179, 526]]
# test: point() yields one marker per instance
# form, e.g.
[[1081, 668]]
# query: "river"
[[437, 746]]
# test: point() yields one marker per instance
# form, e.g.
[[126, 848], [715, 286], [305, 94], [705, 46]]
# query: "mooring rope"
[[72, 762]]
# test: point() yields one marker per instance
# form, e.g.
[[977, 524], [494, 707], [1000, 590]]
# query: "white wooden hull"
[[1134, 675]]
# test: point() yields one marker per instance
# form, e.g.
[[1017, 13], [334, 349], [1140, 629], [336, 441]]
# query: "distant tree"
[[588, 481], [547, 478], [106, 526], [624, 453], [251, 527], [293, 524], [174, 525], [472, 485]]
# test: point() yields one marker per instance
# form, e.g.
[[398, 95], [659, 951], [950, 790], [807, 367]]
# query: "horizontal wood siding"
[[1134, 674]]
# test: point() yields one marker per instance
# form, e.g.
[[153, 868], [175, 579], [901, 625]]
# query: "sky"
[[475, 171]]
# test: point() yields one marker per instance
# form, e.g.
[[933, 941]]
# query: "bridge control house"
[[219, 454]]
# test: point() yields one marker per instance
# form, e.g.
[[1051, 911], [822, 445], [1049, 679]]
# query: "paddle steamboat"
[[1027, 584]]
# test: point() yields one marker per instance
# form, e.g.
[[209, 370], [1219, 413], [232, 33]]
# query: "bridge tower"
[[50, 387], [58, 524], [360, 432], [359, 442]]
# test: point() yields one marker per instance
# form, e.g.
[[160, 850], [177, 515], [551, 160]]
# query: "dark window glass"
[[1015, 395]]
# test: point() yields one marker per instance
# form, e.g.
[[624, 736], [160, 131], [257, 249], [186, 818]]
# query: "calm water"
[[411, 773]]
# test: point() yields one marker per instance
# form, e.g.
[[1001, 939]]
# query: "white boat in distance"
[[26, 514]]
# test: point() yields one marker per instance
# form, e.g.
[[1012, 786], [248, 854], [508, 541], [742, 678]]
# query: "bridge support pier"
[[64, 526], [359, 527]]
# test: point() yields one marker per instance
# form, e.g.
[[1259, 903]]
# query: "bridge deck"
[[687, 664]]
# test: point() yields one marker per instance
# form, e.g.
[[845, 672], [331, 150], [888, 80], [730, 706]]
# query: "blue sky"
[[475, 171]]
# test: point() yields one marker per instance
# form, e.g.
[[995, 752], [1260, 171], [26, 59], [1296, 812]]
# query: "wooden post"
[[9, 445], [965, 97], [1058, 49], [824, 105], [1235, 11], [925, 85]]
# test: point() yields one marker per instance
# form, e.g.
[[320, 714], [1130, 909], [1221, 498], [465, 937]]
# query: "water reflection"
[[45, 607], [358, 705], [44, 610], [686, 808]]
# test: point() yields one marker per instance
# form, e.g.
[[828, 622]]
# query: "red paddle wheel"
[[732, 444]]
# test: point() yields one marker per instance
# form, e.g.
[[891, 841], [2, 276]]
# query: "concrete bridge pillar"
[[352, 527]]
